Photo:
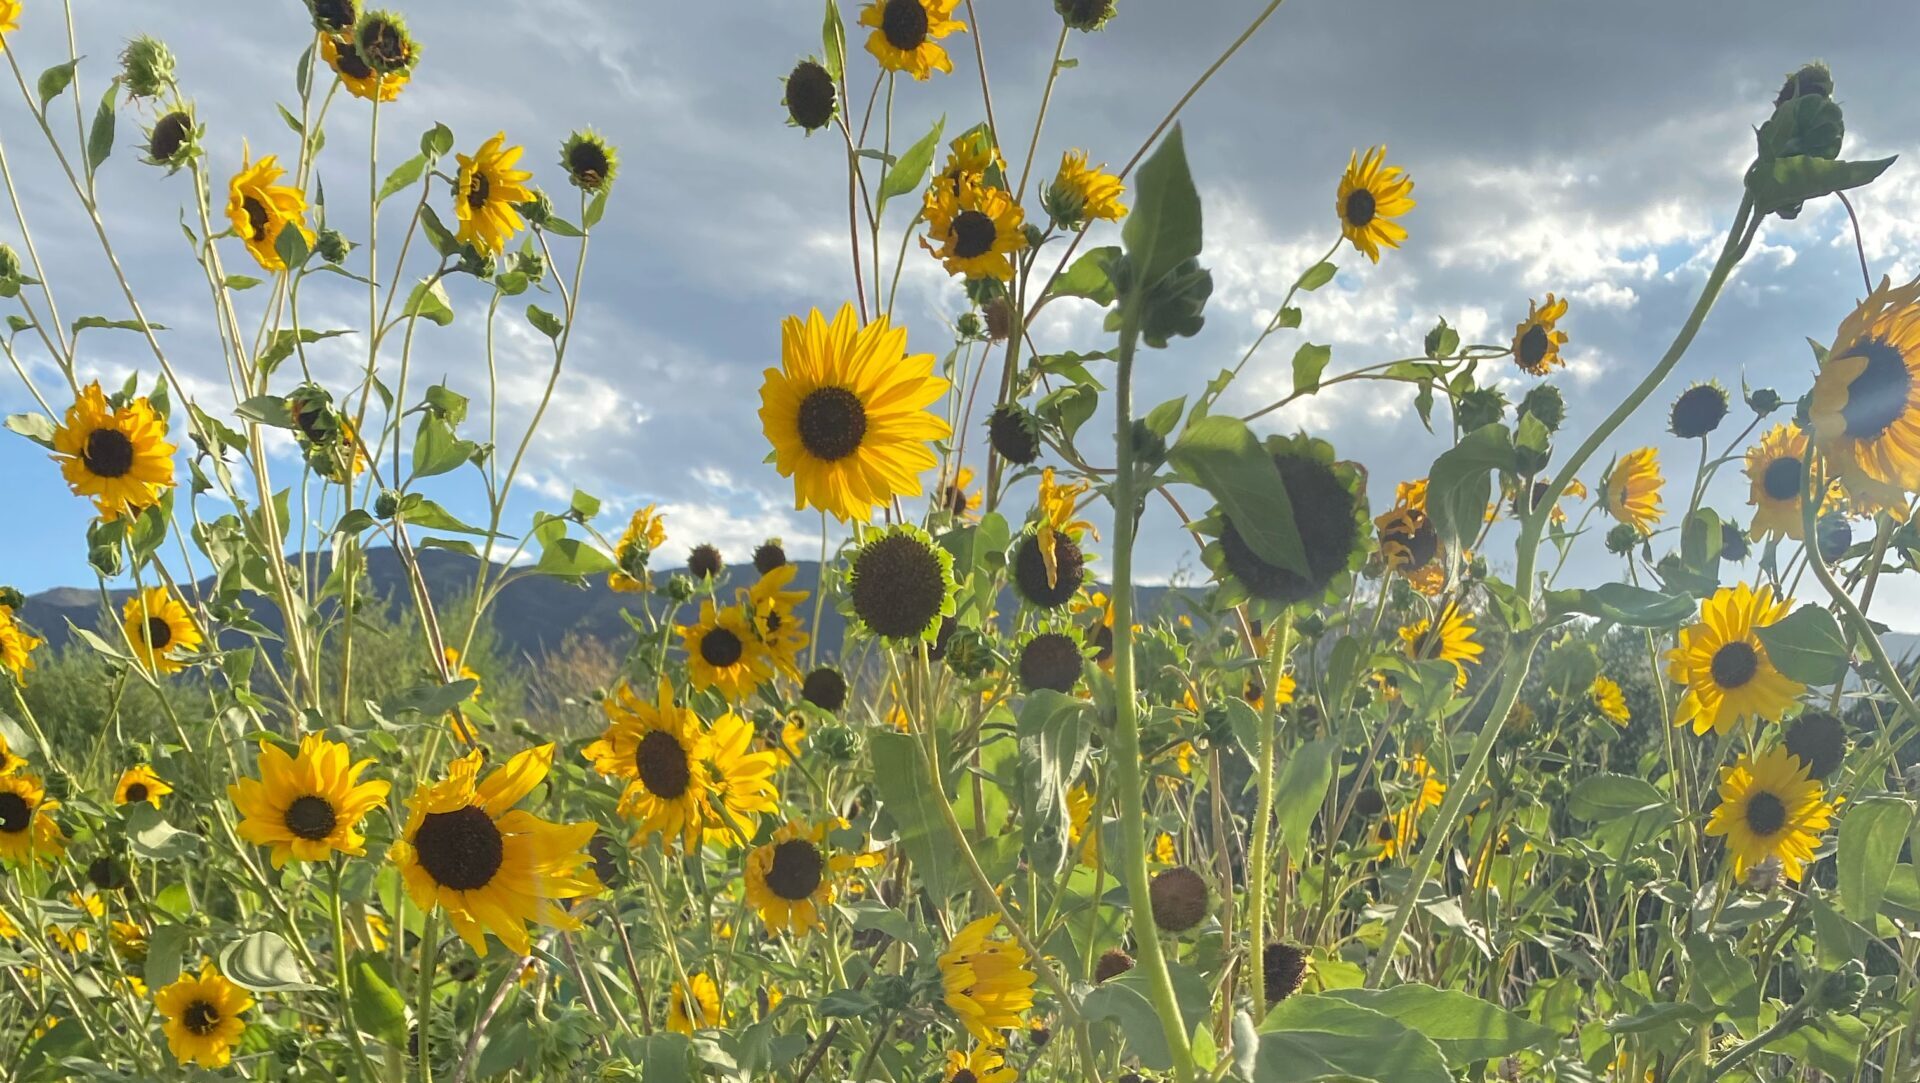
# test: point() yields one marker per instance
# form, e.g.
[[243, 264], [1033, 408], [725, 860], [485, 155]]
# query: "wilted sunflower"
[[1329, 510], [1081, 193], [1865, 407], [1609, 700], [1537, 339], [653, 745], [646, 532], [28, 833], [1447, 639], [1049, 565], [957, 498], [794, 877], [1769, 808], [1633, 489], [308, 806], [984, 1063], [118, 455], [160, 629], [701, 1010], [986, 979], [974, 232], [261, 210], [774, 612], [334, 16], [493, 867], [737, 780], [1409, 544], [1776, 470], [355, 74], [201, 1014], [900, 584], [16, 656], [1372, 194], [1728, 677], [906, 34], [846, 413], [140, 784], [724, 653], [486, 193]]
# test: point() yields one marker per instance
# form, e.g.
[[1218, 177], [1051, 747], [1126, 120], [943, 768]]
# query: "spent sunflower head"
[[1698, 410], [811, 97], [361, 79], [334, 16], [590, 161], [1014, 433], [1537, 339], [384, 43], [1052, 659], [1085, 16], [900, 584], [1329, 511], [1819, 740]]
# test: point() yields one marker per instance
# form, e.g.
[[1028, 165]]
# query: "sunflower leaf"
[[377, 1008], [900, 775], [1088, 277], [1466, 1028], [35, 427], [906, 174], [1221, 455], [545, 322], [1309, 361], [100, 135], [1634, 607], [429, 302], [1778, 184], [403, 175], [1807, 646], [1164, 229], [1317, 276], [1870, 838], [151, 838], [1459, 485], [1319, 1036], [1302, 787], [54, 81], [833, 42], [1054, 740], [264, 963]]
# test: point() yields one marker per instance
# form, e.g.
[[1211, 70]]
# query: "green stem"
[[340, 973], [1257, 860]]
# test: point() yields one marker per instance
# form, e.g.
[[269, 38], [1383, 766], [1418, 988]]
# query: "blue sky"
[[1591, 150]]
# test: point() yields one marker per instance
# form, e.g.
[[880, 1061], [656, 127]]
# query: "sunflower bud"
[[589, 161], [679, 588], [1813, 79], [1643, 870], [1065, 204], [837, 743], [1734, 543], [1763, 400], [1841, 991], [1085, 15], [332, 246], [1834, 535], [11, 598], [893, 991], [531, 264], [9, 271], [1545, 403], [173, 141], [970, 327], [1480, 407], [59, 784], [382, 40], [146, 67], [537, 211], [386, 504], [811, 98], [1622, 539]]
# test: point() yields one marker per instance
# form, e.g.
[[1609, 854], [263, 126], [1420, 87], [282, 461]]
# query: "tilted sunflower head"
[[1054, 660], [825, 688], [901, 585], [704, 561], [1864, 412], [769, 556], [1698, 411], [1734, 543], [590, 161], [1085, 16], [334, 16], [1329, 503], [146, 67], [1819, 740], [1284, 966], [174, 139], [1537, 339], [811, 98], [1031, 575], [384, 43], [1179, 896], [1812, 79], [1014, 433]]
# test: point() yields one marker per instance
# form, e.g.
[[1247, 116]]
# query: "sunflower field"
[[1400, 793]]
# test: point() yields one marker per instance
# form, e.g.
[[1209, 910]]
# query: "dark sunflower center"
[[384, 42], [1766, 814], [1386, 831], [964, 1075], [1735, 664], [1417, 538], [796, 870], [825, 688], [1781, 479], [478, 190], [904, 22], [1534, 346], [15, 813], [461, 850], [109, 453], [136, 793], [720, 648], [1360, 207], [956, 500], [200, 1018], [257, 217], [898, 586], [588, 163], [810, 95], [833, 422], [335, 14], [973, 234], [1051, 660], [1878, 395], [311, 817], [661, 761], [159, 633], [347, 60], [168, 135], [1102, 643]]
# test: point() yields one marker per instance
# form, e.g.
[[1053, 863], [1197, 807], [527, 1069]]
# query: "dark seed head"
[[973, 234], [170, 133], [136, 793], [1014, 433], [1766, 813], [1534, 345], [1112, 963], [1698, 411], [1782, 478], [462, 849], [606, 864], [662, 764], [769, 556], [1051, 660], [1030, 571], [1878, 396], [1285, 967], [825, 688], [1084, 15], [335, 16], [15, 813], [1734, 544], [1820, 741], [159, 633], [797, 870], [811, 97], [200, 1018], [704, 562], [1360, 207], [1179, 898], [1323, 510], [832, 423], [106, 874], [588, 165], [108, 454], [311, 817], [721, 648], [904, 22], [1368, 803], [899, 586], [1834, 535]]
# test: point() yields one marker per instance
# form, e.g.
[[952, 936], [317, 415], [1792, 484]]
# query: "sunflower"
[[975, 231], [1083, 826], [28, 832], [1081, 193], [1372, 194], [138, 784], [1398, 833], [653, 746], [1409, 544], [1053, 660], [10, 762], [900, 585], [984, 1063], [74, 938], [724, 653], [1728, 677], [9, 18], [985, 979], [1776, 470], [646, 532], [957, 497], [774, 612], [1770, 808], [906, 34], [1607, 698], [118, 455], [491, 866], [700, 1010], [1537, 339], [1059, 504], [360, 80], [261, 210], [202, 1017], [846, 413], [1329, 510], [590, 161], [159, 627], [792, 878], [737, 781], [307, 806], [971, 155], [16, 655], [1865, 407], [485, 195], [1447, 639], [1633, 489]]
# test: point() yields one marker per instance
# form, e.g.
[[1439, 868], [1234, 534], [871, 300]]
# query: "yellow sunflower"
[[957, 496], [1449, 639], [773, 609], [1633, 489], [1409, 544], [1728, 677], [701, 1010], [971, 155], [493, 867], [646, 532], [1398, 833], [28, 833], [360, 80], [652, 745], [1081, 193], [1776, 470], [846, 413], [74, 939], [159, 628], [795, 875], [738, 781], [1372, 194], [1059, 505], [1769, 808], [307, 806], [1609, 700], [1083, 829], [1537, 339], [975, 232], [986, 980], [485, 194], [724, 653], [201, 1014], [16, 655], [140, 783], [1865, 409], [984, 1063], [10, 762], [261, 210], [906, 34], [9, 18], [119, 456]]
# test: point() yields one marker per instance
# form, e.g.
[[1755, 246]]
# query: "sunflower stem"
[[1258, 860], [340, 972]]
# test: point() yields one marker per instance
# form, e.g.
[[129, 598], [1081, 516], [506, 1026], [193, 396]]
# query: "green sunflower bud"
[[59, 784], [970, 327], [531, 264], [1480, 407], [679, 588], [1085, 15], [1545, 403], [1622, 539], [1763, 400], [11, 598], [174, 140], [332, 246], [386, 504], [146, 67], [1841, 991], [1814, 79], [9, 271], [537, 211]]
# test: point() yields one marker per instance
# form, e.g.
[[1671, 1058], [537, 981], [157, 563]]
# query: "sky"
[[1594, 150]]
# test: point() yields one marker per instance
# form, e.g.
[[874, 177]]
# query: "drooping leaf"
[[1871, 832], [900, 773], [1624, 604], [1163, 230], [1460, 483], [1808, 646], [1466, 1028], [1221, 455]]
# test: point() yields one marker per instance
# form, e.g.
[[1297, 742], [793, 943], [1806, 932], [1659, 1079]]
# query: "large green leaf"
[[1221, 455], [1604, 796], [1164, 229], [1125, 1000], [263, 963], [1633, 607], [900, 774], [1807, 646], [908, 170], [377, 1007], [1460, 485], [1466, 1028], [1053, 743], [1302, 788], [1870, 837], [1779, 183], [1323, 1037]]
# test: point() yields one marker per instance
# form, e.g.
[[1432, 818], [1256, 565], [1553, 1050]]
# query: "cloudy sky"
[[1594, 150]]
